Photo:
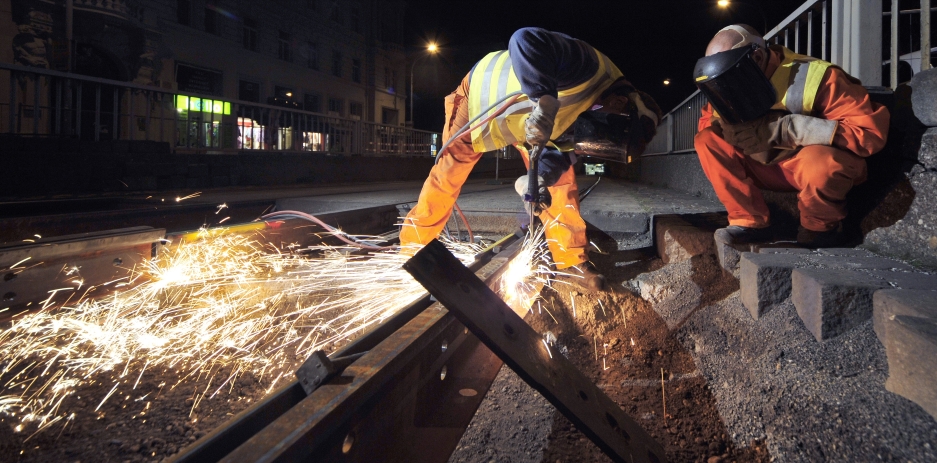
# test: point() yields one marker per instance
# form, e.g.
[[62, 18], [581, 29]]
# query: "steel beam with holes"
[[409, 398], [520, 347]]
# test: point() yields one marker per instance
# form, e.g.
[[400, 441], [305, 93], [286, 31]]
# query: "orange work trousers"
[[565, 230], [822, 175]]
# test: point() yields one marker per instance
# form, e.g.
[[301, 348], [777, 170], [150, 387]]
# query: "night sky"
[[649, 40]]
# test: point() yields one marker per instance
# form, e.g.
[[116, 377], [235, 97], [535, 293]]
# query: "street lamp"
[[431, 49], [725, 4], [667, 81]]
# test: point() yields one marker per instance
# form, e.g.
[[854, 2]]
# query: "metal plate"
[[519, 346]]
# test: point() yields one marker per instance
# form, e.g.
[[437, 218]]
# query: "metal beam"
[[518, 345]]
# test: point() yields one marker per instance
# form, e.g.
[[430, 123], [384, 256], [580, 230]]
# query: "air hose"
[[508, 100]]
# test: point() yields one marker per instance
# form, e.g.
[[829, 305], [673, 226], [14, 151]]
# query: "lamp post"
[[725, 4], [431, 49]]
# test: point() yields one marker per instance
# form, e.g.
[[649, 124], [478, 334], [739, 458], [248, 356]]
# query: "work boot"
[[826, 239], [735, 234], [584, 276]]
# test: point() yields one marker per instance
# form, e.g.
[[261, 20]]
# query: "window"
[[356, 109], [389, 116], [312, 55], [211, 21], [337, 15], [312, 102], [387, 83], [184, 12], [356, 70], [393, 78], [337, 105], [283, 93], [249, 91], [285, 47], [249, 34], [355, 20], [337, 63]]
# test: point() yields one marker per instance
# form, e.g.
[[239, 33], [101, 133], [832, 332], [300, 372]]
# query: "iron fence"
[[41, 102]]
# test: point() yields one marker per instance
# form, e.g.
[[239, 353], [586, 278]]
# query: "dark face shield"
[[611, 136], [737, 88]]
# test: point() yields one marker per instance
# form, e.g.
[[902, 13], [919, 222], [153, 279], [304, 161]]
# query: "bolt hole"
[[465, 288], [348, 443], [445, 345], [442, 373], [118, 261], [9, 296], [583, 396], [614, 424], [653, 458], [508, 329], [9, 276]]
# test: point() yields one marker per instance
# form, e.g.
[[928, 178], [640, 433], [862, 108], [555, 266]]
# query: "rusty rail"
[[408, 398]]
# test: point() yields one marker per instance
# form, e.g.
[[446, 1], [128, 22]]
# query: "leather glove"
[[521, 185], [753, 136], [539, 125], [775, 130], [796, 130]]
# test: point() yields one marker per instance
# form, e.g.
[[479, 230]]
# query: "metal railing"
[[41, 102], [847, 33]]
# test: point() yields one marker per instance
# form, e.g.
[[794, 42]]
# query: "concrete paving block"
[[906, 323], [765, 280], [891, 302], [833, 301], [845, 252], [858, 263], [677, 240], [907, 280], [770, 250], [729, 255]]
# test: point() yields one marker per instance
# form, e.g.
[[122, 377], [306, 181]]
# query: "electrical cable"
[[508, 100], [334, 231]]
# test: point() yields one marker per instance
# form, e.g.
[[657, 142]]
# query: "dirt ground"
[[622, 344], [130, 429]]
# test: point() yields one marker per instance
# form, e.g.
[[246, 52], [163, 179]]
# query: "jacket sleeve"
[[862, 126], [546, 61]]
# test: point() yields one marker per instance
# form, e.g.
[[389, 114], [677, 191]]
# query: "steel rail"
[[274, 419]]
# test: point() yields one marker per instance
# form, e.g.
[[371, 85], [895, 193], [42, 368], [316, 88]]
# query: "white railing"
[[848, 33], [41, 102]]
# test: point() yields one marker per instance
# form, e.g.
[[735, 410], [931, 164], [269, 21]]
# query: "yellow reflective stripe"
[[814, 80], [494, 140]]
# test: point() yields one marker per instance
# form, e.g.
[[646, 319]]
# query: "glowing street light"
[[431, 48], [666, 82], [723, 3]]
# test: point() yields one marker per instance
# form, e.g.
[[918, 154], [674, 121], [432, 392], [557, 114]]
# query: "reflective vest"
[[797, 82], [493, 78]]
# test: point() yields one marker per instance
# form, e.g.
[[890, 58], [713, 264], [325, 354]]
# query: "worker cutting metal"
[[554, 97]]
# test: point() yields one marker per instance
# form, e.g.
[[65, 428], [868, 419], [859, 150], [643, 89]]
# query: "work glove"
[[539, 124], [776, 130], [521, 185]]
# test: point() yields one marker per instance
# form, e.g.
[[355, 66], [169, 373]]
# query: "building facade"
[[342, 58]]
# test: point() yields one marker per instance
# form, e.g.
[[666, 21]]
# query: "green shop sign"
[[192, 103]]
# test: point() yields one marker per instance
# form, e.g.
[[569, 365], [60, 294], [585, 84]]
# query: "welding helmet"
[[735, 85]]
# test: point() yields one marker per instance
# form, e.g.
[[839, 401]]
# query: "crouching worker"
[[560, 78], [780, 121]]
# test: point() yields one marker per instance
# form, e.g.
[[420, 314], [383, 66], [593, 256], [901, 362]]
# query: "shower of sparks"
[[528, 270], [215, 308]]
